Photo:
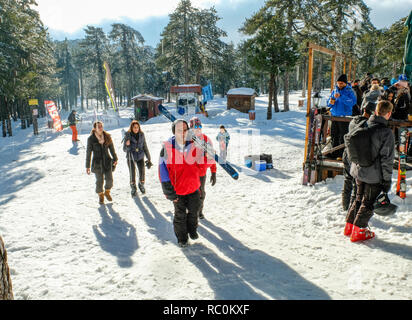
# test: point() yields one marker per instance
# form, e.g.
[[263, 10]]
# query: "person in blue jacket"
[[341, 101]]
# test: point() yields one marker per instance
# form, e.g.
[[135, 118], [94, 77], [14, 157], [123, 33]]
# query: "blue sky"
[[65, 19]]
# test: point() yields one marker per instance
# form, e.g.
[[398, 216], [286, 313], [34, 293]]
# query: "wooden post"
[[332, 81], [6, 292], [310, 79], [350, 70]]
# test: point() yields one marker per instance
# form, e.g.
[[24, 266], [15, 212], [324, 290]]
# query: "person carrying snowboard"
[[136, 149], [99, 144], [223, 138], [179, 173], [196, 126], [371, 179]]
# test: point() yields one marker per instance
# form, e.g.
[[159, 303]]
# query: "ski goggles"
[[197, 126]]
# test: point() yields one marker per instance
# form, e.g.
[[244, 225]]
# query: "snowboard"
[[403, 147], [307, 164], [317, 126]]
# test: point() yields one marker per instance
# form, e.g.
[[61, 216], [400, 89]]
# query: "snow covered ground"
[[265, 236]]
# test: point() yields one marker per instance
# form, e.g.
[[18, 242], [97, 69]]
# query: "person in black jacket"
[[402, 100], [356, 110], [72, 121], [349, 184], [99, 144], [372, 180], [136, 148]]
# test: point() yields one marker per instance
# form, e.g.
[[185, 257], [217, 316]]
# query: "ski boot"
[[141, 188], [348, 229], [361, 234], [201, 216], [134, 189], [108, 196]]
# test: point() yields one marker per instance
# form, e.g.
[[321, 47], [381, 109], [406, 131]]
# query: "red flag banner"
[[54, 114]]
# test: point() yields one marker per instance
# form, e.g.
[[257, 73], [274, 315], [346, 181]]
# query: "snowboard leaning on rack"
[[403, 147]]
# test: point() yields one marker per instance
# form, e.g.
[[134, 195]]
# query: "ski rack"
[[352, 74]]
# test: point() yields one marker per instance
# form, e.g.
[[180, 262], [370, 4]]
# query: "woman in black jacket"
[[102, 165], [136, 148]]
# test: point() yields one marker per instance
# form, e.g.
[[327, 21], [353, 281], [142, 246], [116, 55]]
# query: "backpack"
[[358, 143]]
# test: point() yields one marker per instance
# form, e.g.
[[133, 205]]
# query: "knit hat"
[[195, 122], [370, 108], [343, 78]]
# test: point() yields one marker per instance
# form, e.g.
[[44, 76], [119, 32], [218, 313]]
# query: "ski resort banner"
[[207, 93], [109, 85], [54, 114]]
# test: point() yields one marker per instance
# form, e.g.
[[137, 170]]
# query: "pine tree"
[[189, 42], [269, 53], [96, 49], [128, 42]]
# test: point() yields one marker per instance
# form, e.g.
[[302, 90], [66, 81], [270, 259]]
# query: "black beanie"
[[343, 78]]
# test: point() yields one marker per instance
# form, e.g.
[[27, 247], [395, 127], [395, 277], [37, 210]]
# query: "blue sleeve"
[[167, 187], [330, 97], [348, 100]]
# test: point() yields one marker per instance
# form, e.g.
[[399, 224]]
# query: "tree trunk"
[[275, 94], [81, 90], [286, 92], [6, 292], [271, 81], [304, 79]]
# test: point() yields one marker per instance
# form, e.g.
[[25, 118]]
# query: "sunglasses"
[[197, 126]]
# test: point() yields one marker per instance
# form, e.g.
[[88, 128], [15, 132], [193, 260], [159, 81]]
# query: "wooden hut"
[[242, 99], [187, 98], [146, 107]]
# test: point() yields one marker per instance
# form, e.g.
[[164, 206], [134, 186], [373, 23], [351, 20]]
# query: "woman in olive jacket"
[[102, 165]]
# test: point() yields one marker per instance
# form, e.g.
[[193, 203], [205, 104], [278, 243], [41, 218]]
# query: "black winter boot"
[[141, 187]]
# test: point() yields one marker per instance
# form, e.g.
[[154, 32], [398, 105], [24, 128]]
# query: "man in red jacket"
[[179, 168], [196, 126]]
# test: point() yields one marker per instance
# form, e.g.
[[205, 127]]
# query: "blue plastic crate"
[[248, 163], [260, 165]]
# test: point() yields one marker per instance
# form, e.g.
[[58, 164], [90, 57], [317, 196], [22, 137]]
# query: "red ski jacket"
[[207, 163], [179, 169]]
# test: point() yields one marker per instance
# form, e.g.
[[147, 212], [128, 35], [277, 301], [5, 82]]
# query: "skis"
[[204, 146], [306, 168], [317, 149], [403, 147]]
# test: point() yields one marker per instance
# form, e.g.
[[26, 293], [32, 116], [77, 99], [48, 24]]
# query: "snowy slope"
[[265, 236]]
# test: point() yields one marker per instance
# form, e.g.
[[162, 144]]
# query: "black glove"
[[213, 179], [386, 186], [149, 164]]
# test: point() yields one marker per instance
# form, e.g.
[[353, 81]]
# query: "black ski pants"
[[132, 170], [202, 193], [337, 132], [349, 186], [186, 215], [361, 210]]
